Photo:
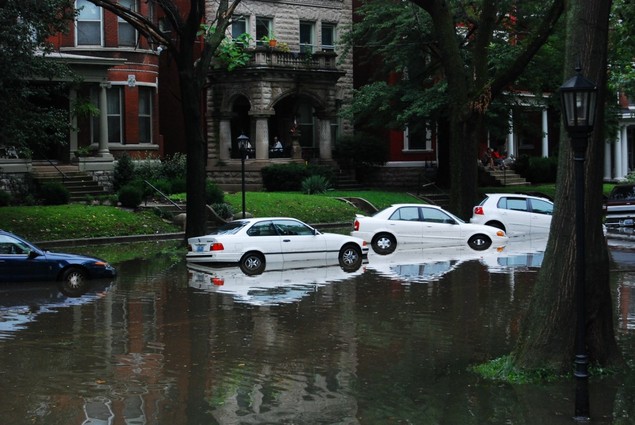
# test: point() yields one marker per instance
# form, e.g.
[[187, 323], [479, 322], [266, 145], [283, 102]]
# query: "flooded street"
[[390, 343]]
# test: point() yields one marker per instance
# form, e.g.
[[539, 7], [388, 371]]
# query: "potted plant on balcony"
[[270, 40]]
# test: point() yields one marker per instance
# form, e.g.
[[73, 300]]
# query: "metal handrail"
[[163, 195]]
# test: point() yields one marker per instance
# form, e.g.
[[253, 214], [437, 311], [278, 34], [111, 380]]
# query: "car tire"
[[350, 258], [74, 282], [384, 244], [252, 263], [496, 224], [479, 242]]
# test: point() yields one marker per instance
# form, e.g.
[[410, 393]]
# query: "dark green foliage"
[[360, 150], [30, 118], [224, 210], [53, 193], [123, 173], [315, 184], [164, 185], [130, 195], [178, 185], [174, 167], [289, 177], [537, 169], [5, 198], [213, 193]]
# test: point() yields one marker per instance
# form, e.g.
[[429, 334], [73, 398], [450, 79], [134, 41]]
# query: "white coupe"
[[422, 225], [256, 242]]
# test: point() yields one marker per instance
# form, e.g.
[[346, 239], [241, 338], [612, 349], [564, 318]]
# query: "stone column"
[[103, 151], [624, 138], [607, 161], [325, 142], [617, 157], [511, 147], [261, 142], [224, 138], [73, 120]]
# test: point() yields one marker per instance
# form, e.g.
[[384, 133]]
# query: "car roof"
[[417, 205], [517, 195]]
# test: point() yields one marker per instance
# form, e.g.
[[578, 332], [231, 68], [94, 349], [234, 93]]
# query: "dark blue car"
[[21, 261]]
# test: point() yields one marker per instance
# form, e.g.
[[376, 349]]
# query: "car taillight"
[[216, 246], [217, 281], [356, 225], [478, 210]]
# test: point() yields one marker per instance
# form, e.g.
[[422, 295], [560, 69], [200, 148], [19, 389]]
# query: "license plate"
[[199, 248]]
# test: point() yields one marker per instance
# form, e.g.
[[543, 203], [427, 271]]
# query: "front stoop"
[[80, 185]]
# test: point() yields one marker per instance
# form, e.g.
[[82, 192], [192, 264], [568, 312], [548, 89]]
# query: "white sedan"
[[516, 214], [253, 243], [422, 225]]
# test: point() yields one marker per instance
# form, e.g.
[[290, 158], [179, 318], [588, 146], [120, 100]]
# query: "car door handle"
[[286, 240]]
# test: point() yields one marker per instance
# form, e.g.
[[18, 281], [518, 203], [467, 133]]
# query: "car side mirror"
[[33, 254]]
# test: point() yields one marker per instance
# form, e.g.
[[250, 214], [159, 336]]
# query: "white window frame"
[[328, 27], [146, 116], [86, 5], [428, 141], [122, 24], [307, 46], [259, 21]]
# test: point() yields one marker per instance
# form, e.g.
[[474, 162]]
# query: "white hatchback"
[[422, 225], [516, 214]]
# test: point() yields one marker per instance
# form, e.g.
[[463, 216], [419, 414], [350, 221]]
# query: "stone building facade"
[[292, 92]]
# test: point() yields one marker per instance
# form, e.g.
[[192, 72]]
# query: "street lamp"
[[578, 97], [243, 147]]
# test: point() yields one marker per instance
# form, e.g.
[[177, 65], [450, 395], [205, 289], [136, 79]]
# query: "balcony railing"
[[265, 56]]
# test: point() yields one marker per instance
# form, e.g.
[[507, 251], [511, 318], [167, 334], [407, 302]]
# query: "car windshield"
[[230, 228], [623, 192]]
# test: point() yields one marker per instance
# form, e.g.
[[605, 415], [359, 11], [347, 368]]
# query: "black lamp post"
[[578, 97], [243, 147]]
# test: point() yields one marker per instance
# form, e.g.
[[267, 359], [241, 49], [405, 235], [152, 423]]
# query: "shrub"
[[174, 167], [360, 150], [178, 185], [542, 170], [315, 184], [5, 198], [54, 193], [130, 195], [289, 177], [123, 173], [213, 193], [164, 185], [224, 210]]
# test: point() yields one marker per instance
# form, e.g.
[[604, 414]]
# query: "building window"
[[127, 33], [239, 26], [115, 116], [264, 28], [89, 24], [307, 36], [418, 137], [328, 37], [145, 114]]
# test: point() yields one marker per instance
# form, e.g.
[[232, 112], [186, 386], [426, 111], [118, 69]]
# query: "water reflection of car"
[[430, 264], [21, 304], [21, 261], [516, 214], [276, 286], [619, 207], [254, 243], [422, 225]]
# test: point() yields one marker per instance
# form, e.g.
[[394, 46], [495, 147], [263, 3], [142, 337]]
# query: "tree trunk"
[[548, 334]]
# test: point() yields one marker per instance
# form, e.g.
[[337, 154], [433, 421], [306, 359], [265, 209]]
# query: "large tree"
[[187, 26], [457, 58], [548, 336], [27, 77]]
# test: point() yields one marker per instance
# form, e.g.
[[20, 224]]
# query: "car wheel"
[[384, 244], [496, 224], [350, 258], [479, 242], [74, 282], [252, 263]]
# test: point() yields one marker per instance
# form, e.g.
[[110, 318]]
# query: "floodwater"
[[391, 343]]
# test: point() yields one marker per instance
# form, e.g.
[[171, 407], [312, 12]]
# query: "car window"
[[406, 214], [12, 246], [626, 193], [263, 228], [516, 204], [230, 228], [433, 215], [541, 207], [292, 228]]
